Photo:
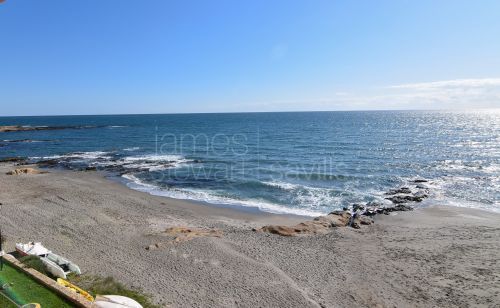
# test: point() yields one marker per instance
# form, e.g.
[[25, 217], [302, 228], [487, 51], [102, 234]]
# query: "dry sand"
[[434, 257]]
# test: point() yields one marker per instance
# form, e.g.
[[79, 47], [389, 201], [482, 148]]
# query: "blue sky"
[[159, 56]]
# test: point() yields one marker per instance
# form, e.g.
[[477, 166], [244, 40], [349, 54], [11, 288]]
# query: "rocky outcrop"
[[357, 215], [47, 163], [419, 181], [361, 220], [401, 190], [18, 128], [405, 199], [13, 160], [320, 225], [20, 171]]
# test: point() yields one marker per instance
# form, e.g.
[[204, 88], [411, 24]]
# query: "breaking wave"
[[110, 161], [212, 197]]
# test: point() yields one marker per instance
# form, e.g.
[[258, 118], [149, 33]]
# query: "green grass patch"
[[24, 290], [96, 285], [35, 263], [5, 302]]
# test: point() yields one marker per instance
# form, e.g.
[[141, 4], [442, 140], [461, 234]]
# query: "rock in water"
[[404, 199], [20, 171], [420, 181], [401, 190], [13, 160], [357, 206]]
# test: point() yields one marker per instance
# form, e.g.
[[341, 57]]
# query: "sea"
[[304, 163]]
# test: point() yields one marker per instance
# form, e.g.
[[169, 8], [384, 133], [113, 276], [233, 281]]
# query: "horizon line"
[[243, 112]]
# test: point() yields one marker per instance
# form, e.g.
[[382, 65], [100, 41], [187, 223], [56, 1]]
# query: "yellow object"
[[32, 305], [74, 288]]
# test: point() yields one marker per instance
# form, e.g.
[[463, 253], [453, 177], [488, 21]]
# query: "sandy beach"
[[432, 257]]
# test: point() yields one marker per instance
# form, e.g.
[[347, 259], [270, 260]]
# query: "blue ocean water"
[[305, 163]]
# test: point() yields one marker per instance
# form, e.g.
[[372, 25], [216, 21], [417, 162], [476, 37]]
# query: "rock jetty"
[[357, 214]]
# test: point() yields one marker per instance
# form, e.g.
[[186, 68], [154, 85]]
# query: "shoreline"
[[437, 256]]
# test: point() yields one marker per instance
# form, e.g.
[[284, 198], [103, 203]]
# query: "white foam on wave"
[[155, 157], [283, 185], [77, 155], [154, 162], [131, 149], [150, 162], [318, 197], [210, 197]]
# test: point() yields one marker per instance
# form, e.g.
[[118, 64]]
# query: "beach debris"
[[183, 234], [20, 171]]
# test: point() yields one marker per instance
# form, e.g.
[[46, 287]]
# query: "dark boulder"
[[48, 163], [405, 199], [358, 207], [401, 190], [420, 181], [13, 160]]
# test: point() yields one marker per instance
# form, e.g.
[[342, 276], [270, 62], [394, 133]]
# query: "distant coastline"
[[22, 128]]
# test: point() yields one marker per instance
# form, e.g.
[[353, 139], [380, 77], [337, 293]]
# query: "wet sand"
[[439, 256]]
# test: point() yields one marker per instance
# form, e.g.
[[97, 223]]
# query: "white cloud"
[[451, 84], [448, 94], [457, 93]]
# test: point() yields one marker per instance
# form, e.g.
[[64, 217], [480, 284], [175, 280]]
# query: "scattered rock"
[[404, 199], [361, 220], [374, 204], [20, 171], [364, 220], [400, 207], [356, 224], [358, 207], [421, 194], [24, 141], [401, 190], [154, 246], [48, 163], [12, 160], [17, 128], [420, 181]]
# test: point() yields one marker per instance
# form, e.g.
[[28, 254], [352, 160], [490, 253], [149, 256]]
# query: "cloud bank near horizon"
[[445, 94]]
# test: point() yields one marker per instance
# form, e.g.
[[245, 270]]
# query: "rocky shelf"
[[357, 214]]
